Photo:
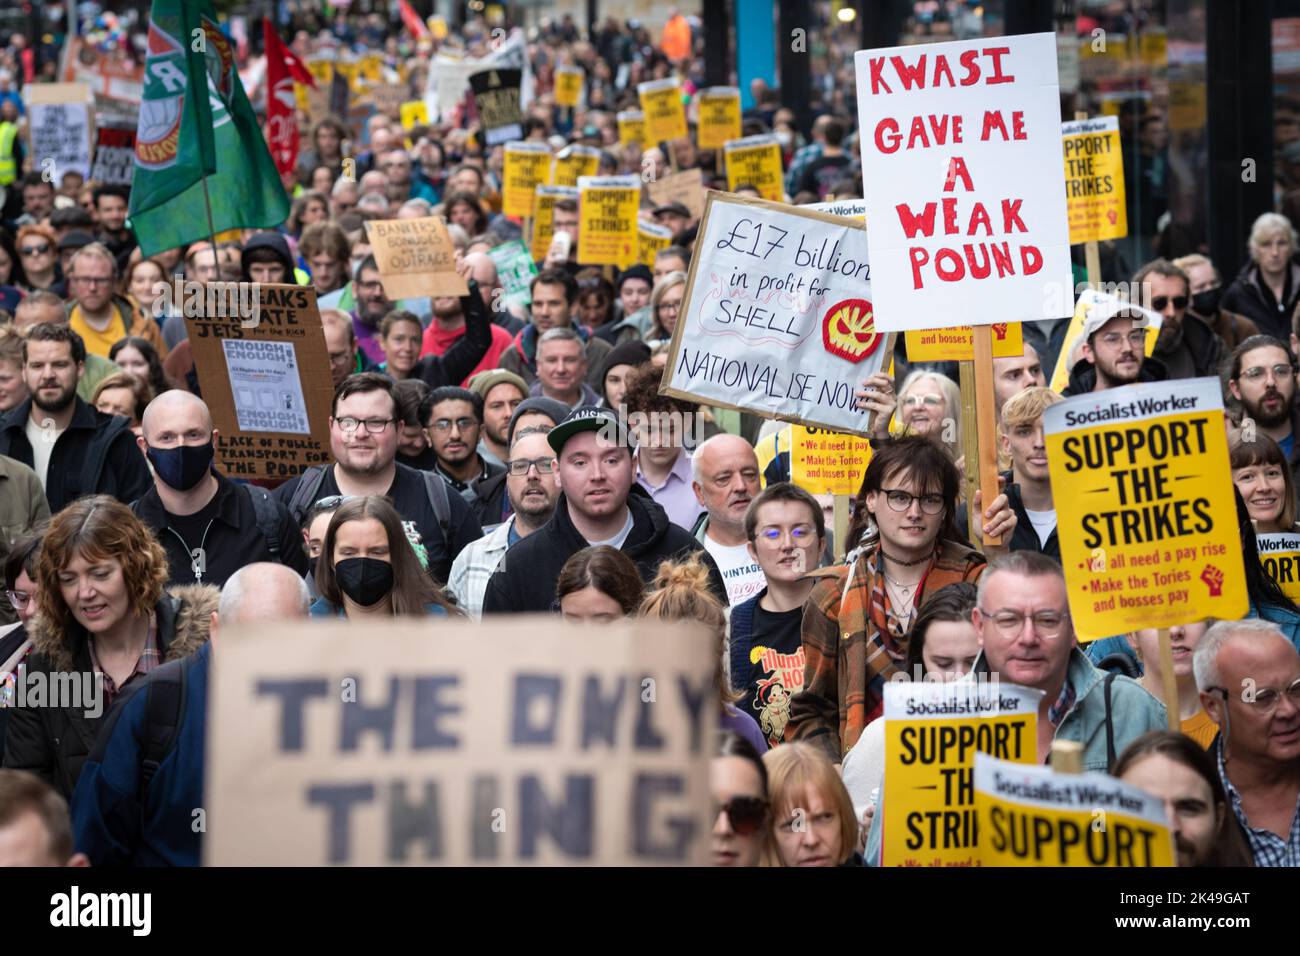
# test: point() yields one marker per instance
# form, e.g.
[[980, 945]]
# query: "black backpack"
[[304, 496], [268, 518], [164, 704]]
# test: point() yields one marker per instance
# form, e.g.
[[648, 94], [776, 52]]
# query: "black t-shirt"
[[776, 669], [821, 174], [191, 529], [424, 461]]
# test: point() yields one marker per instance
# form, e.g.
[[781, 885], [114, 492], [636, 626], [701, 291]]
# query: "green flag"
[[183, 136]]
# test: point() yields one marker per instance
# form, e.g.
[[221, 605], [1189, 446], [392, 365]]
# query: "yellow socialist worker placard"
[[957, 344], [1094, 180], [932, 733], [414, 113], [568, 85], [719, 116], [1145, 511], [607, 207], [527, 166], [544, 200], [631, 127], [650, 238], [1032, 816], [665, 116], [573, 162], [1280, 555], [756, 161], [824, 462]]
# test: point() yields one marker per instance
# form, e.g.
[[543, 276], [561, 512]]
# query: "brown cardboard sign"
[[517, 741], [415, 257], [265, 374], [686, 187]]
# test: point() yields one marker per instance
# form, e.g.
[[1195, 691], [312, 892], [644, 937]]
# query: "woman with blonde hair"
[[813, 823], [929, 405], [1267, 290], [665, 307], [680, 591], [105, 620]]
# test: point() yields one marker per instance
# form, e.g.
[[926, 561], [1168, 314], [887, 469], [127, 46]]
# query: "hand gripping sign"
[[777, 317], [1032, 816], [933, 732], [1145, 507]]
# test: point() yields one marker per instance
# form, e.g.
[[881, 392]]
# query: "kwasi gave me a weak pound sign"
[[778, 317]]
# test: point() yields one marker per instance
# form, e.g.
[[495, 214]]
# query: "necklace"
[[900, 588], [906, 564]]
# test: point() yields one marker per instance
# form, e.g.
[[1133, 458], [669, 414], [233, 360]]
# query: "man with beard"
[[532, 490], [363, 441], [1186, 344], [502, 392], [1113, 354], [1261, 378], [452, 419], [74, 449], [725, 479], [209, 526]]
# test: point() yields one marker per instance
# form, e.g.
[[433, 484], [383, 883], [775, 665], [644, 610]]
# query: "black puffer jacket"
[[525, 578], [54, 742]]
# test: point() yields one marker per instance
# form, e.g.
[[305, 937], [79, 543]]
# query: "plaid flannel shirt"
[[149, 659], [1266, 847], [847, 659], [474, 565]]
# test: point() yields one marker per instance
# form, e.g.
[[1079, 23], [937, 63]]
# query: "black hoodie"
[[525, 579], [267, 240], [1083, 377]]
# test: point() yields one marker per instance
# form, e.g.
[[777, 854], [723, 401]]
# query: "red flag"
[[412, 20], [283, 69]]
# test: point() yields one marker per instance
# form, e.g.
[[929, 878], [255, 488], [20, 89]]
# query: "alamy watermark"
[[208, 300]]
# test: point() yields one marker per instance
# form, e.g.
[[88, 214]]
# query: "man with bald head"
[[209, 526], [448, 325], [725, 477], [123, 816], [1248, 674]]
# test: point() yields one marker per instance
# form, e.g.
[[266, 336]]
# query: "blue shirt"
[[1286, 444]]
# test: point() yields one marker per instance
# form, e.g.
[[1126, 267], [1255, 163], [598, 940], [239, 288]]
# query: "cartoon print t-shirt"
[[776, 661]]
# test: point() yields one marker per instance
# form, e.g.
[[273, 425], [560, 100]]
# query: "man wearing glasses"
[[98, 314], [1248, 674], [452, 419], [1261, 377], [1187, 346], [1027, 638], [532, 489], [1113, 353], [363, 441]]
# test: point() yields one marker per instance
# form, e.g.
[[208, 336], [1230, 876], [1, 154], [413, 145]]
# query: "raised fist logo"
[[1113, 216], [849, 330], [1000, 331], [1213, 579]]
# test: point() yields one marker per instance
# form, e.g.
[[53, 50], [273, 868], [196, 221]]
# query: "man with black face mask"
[[209, 526]]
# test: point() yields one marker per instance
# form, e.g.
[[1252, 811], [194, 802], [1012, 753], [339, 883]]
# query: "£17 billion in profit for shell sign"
[[778, 318]]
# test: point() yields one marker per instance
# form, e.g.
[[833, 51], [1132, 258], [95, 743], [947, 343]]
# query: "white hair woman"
[[1267, 290]]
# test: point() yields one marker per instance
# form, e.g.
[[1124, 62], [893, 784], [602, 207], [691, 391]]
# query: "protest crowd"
[[516, 439]]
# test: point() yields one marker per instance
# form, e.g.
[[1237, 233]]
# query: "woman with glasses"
[[903, 548], [813, 822], [368, 569], [929, 405], [665, 304], [104, 620], [738, 785], [1263, 477], [39, 256]]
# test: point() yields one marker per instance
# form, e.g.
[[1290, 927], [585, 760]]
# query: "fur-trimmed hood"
[[184, 615]]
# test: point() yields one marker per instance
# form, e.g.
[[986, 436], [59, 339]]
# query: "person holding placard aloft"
[[903, 547]]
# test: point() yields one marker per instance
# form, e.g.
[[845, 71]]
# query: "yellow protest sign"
[[415, 258], [414, 113], [756, 161], [823, 462], [573, 162], [372, 68], [568, 85], [350, 71], [957, 344], [322, 71], [650, 238], [631, 127], [1032, 816], [607, 207], [1094, 180], [527, 166], [719, 117], [932, 734], [1144, 507], [1280, 555], [438, 27], [1091, 300], [665, 116], [544, 200]]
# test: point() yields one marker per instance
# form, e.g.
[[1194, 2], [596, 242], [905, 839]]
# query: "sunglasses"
[[746, 814], [1160, 301], [34, 250]]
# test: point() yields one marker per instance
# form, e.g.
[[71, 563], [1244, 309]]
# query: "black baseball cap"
[[588, 418]]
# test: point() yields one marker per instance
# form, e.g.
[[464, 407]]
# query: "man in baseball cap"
[[600, 503], [1113, 349]]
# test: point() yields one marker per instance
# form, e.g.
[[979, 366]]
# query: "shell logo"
[[849, 330]]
